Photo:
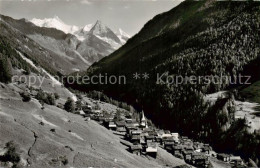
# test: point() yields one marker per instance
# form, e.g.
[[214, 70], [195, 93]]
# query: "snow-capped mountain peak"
[[123, 36], [100, 30], [57, 19], [87, 27], [122, 33], [56, 23], [106, 34]]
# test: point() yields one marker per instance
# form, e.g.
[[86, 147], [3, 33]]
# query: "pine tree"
[[51, 100], [69, 106], [78, 104], [5, 69]]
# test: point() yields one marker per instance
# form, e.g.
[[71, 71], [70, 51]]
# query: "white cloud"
[[85, 2]]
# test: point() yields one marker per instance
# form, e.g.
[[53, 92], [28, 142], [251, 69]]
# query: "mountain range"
[[80, 32], [73, 48]]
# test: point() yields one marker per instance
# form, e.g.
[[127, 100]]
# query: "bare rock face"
[[103, 31]]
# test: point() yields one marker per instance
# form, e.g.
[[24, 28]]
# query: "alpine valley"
[[67, 48], [196, 38], [150, 121]]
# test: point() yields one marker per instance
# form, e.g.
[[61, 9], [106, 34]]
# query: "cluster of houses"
[[193, 153], [146, 140]]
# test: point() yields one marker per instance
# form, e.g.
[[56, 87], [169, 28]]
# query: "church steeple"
[[142, 116], [143, 123]]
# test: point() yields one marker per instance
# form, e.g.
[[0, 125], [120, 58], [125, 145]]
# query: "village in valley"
[[137, 134], [144, 139]]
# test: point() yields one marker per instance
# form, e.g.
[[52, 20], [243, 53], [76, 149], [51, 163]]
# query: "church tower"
[[143, 123]]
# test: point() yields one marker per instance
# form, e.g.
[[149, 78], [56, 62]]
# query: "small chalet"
[[223, 157], [176, 150], [160, 133], [153, 133], [132, 122], [136, 139], [106, 121], [128, 120], [149, 138], [198, 146], [169, 148], [120, 126], [166, 135], [151, 149], [206, 149], [187, 142], [112, 126], [158, 139], [129, 128], [187, 155], [136, 124], [169, 139], [188, 148], [184, 138], [200, 160], [167, 132], [135, 132], [135, 136], [168, 145], [87, 108], [236, 160], [175, 137], [136, 149]]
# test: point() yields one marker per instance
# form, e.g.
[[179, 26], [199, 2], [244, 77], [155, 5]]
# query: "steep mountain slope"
[[63, 58], [99, 41], [52, 137], [94, 48], [82, 32], [79, 49], [210, 45], [123, 36], [12, 41], [46, 135], [197, 38], [103, 32]]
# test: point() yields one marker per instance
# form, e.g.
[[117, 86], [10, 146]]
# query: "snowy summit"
[[98, 29], [56, 23]]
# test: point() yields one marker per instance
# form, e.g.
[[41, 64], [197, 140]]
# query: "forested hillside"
[[12, 41], [9, 58], [197, 38]]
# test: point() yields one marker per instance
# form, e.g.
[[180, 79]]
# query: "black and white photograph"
[[130, 83]]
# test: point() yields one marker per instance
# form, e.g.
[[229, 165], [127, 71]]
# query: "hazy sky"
[[130, 15]]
